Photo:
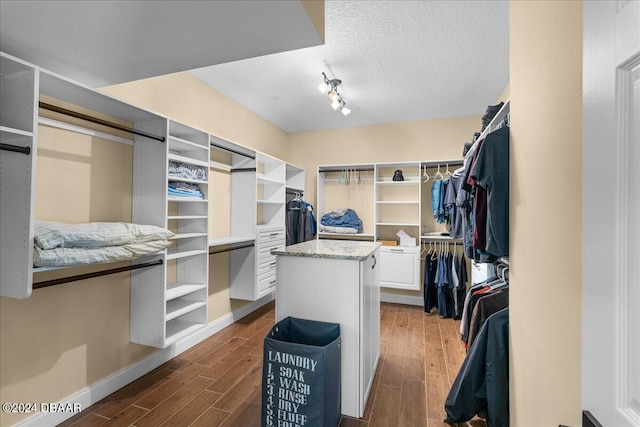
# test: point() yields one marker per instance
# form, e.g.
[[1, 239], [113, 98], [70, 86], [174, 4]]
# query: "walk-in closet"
[[319, 213]]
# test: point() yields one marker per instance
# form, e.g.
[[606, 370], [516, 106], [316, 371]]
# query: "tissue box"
[[405, 239], [388, 242]]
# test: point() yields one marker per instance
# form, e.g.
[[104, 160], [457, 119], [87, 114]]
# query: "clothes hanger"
[[425, 174], [434, 255], [438, 174]]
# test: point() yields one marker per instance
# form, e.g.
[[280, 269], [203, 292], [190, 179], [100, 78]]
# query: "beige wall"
[[188, 100], [546, 169]]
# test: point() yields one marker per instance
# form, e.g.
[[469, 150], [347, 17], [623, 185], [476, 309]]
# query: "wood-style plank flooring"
[[218, 382]]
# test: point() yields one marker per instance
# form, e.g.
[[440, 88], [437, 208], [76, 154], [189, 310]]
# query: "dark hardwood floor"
[[218, 382]]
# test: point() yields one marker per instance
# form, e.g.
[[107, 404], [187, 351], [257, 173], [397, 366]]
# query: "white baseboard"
[[401, 299], [103, 388]]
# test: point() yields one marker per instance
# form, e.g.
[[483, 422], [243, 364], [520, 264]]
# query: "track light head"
[[336, 99]]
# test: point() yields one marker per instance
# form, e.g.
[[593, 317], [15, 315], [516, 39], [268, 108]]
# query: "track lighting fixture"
[[337, 102]]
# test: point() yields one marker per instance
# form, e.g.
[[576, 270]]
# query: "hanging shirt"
[[491, 172], [454, 211]]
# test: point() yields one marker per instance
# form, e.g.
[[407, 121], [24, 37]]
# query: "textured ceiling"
[[398, 60], [105, 42]]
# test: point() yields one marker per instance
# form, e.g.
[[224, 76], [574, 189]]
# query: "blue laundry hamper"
[[301, 374]]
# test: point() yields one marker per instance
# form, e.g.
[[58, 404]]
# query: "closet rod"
[[232, 150], [294, 192], [61, 280], [15, 148], [250, 245], [99, 121], [347, 170], [243, 170], [443, 242]]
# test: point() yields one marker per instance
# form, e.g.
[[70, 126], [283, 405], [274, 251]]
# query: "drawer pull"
[[397, 250], [273, 282], [273, 263], [273, 234]]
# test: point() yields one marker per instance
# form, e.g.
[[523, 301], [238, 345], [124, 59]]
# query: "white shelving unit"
[[398, 206], [168, 302], [347, 186], [171, 302], [395, 205], [257, 208], [18, 128]]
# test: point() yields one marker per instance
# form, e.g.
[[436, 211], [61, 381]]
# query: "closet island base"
[[337, 281]]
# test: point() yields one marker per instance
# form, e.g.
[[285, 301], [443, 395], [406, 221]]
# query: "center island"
[[337, 281]]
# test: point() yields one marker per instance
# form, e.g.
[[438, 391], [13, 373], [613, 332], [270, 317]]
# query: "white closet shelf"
[[12, 131], [65, 267], [269, 202], [399, 223], [175, 253], [178, 289], [325, 233], [438, 237], [186, 216], [398, 202], [179, 178], [178, 307], [262, 179], [221, 241], [187, 235], [186, 200], [182, 145], [178, 328], [219, 165], [188, 160], [410, 181]]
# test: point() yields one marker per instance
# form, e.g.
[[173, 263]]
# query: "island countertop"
[[336, 249]]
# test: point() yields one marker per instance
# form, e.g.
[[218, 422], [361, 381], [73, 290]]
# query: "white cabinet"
[[330, 281], [400, 267], [254, 269], [169, 303]]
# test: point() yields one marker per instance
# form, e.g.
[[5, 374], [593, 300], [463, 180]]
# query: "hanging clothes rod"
[[75, 278], [231, 150], [346, 169], [15, 149], [250, 245], [244, 170], [92, 119], [294, 192], [443, 242]]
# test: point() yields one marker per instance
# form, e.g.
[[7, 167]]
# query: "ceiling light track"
[[337, 102]]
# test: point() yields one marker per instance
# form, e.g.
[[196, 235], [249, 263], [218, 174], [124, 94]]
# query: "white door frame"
[[611, 213]]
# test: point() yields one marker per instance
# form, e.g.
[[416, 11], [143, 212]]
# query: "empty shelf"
[[175, 254], [178, 289], [178, 307], [177, 329]]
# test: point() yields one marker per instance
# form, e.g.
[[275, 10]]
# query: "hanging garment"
[[459, 275], [299, 222], [454, 212], [430, 286], [445, 297], [491, 172], [490, 303], [482, 384]]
